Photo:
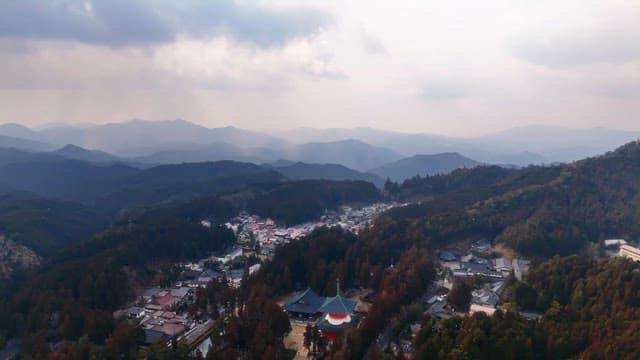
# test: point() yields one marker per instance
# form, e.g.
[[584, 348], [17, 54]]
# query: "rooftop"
[[338, 305], [305, 302]]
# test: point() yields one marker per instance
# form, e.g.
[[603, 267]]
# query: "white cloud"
[[459, 67], [223, 64]]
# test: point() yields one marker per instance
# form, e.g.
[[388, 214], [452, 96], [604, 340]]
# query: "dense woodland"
[[538, 211], [74, 292], [46, 225], [208, 190], [331, 254], [590, 307], [296, 202], [591, 310], [457, 180]]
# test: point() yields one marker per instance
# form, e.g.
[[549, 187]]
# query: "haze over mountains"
[[520, 145], [432, 164], [106, 169], [141, 143]]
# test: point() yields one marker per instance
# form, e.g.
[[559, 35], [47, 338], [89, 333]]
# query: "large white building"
[[630, 252], [614, 242]]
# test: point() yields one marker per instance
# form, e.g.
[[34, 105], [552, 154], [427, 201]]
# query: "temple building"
[[337, 315], [334, 314], [305, 304]]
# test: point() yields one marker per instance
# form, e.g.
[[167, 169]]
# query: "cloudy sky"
[[451, 67]]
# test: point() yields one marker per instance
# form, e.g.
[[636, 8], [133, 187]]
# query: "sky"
[[452, 67]]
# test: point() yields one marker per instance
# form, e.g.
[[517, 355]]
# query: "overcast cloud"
[[140, 22], [454, 67]]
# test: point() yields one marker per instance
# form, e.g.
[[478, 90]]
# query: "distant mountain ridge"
[[123, 138], [23, 144], [423, 165], [559, 144], [75, 152], [303, 171], [18, 131], [49, 201], [12, 155], [534, 144], [211, 152], [114, 186], [354, 154], [177, 141]]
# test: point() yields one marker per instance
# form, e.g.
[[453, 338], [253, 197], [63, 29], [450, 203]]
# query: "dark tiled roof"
[[306, 302], [338, 305], [154, 337]]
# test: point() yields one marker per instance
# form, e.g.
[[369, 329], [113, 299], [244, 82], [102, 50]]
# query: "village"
[[486, 268], [332, 315], [161, 312], [476, 262]]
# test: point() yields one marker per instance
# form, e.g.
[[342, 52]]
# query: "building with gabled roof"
[[338, 305], [337, 312], [304, 304], [338, 315], [630, 252]]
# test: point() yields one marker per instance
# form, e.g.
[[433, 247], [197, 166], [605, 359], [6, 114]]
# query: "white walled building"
[[630, 252]]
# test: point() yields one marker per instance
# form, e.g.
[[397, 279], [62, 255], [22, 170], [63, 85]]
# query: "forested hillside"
[[114, 189], [46, 226], [108, 193], [423, 165], [540, 211], [330, 254], [86, 283], [591, 310], [537, 210], [295, 202], [418, 187], [302, 171]]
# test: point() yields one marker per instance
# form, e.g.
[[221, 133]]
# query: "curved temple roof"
[[305, 302]]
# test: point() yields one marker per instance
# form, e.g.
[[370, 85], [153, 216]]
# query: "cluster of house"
[[486, 298], [492, 271], [355, 220], [156, 314], [332, 315], [199, 274], [252, 229], [160, 311], [157, 310]]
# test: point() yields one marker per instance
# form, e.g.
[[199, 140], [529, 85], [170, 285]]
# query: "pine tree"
[[308, 336]]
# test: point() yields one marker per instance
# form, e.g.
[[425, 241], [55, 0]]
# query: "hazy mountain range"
[[430, 164], [303, 171], [369, 152], [519, 146]]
